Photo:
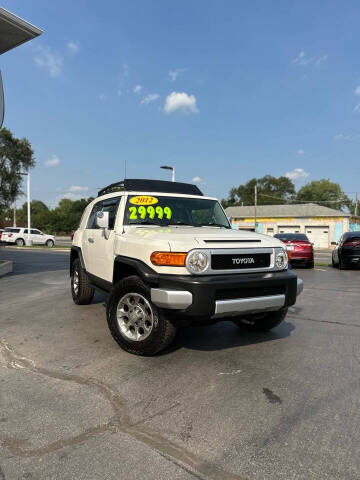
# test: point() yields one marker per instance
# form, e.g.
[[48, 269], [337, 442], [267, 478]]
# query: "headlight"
[[197, 262], [281, 259]]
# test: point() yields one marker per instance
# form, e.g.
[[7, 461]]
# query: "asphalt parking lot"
[[219, 405]]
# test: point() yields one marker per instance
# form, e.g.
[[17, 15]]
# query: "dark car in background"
[[347, 251], [299, 247]]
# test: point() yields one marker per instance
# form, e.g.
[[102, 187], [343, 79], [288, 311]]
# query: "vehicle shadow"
[[224, 335]]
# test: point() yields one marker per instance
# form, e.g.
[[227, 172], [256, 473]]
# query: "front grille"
[[240, 261], [230, 294]]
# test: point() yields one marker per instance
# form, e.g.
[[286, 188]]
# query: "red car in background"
[[299, 247]]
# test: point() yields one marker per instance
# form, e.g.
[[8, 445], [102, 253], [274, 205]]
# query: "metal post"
[[255, 205], [14, 221], [356, 203], [28, 239], [173, 175]]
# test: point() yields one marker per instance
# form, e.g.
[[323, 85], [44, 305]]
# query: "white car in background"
[[19, 235]]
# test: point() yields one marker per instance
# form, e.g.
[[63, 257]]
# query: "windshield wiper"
[[179, 222], [212, 224], [144, 222]]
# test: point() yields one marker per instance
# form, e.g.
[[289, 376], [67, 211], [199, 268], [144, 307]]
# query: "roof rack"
[[144, 185]]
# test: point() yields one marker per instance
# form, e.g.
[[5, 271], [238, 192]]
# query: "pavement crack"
[[120, 422], [324, 321]]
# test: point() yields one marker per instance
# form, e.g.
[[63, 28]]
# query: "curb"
[[6, 266], [40, 249]]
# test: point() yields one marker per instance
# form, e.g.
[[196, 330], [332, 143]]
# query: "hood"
[[185, 238]]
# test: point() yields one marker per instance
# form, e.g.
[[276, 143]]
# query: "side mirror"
[[102, 221], [334, 243]]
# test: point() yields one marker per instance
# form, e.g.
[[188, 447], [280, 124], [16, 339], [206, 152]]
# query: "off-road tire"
[[20, 242], [49, 243], [261, 322], [85, 292], [163, 331]]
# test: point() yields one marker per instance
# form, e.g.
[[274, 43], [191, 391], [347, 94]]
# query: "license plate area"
[[240, 261]]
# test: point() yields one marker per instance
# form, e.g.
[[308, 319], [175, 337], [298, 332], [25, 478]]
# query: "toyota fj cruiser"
[[166, 256]]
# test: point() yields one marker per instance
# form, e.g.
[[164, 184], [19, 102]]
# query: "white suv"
[[166, 256], [19, 235]]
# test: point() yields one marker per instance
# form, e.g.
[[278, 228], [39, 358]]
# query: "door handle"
[[91, 240]]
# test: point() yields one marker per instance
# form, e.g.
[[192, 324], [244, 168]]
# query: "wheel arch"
[[75, 253], [126, 267]]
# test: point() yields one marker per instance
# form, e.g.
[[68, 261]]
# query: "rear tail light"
[[10, 234], [354, 243]]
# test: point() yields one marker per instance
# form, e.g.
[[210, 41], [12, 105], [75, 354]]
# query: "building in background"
[[322, 225]]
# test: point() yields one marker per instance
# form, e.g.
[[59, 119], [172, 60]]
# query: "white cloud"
[[52, 162], [300, 151], [321, 60], [72, 196], [119, 92], [180, 101], [357, 108], [150, 98], [357, 90], [303, 60], [78, 188], [173, 74], [297, 174], [49, 60], [137, 89], [342, 136], [102, 96], [198, 180], [73, 47]]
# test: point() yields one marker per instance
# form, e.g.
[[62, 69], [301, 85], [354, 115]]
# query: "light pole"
[[166, 167], [28, 238]]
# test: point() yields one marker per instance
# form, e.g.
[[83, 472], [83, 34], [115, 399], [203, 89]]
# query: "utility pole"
[[255, 205], [356, 203], [14, 222], [28, 208]]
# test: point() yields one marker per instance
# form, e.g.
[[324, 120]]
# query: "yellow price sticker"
[[144, 200]]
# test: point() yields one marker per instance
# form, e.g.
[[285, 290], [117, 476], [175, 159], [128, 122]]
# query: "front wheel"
[[50, 243], [261, 322], [135, 322], [81, 290]]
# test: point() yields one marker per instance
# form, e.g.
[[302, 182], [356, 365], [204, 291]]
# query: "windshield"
[[286, 237], [163, 211]]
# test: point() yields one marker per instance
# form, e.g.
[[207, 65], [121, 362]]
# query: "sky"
[[224, 91]]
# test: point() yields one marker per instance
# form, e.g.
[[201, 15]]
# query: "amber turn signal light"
[[169, 259]]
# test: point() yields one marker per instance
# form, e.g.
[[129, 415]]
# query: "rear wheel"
[[310, 264], [135, 322], [81, 290], [20, 242], [335, 265], [261, 322], [343, 265]]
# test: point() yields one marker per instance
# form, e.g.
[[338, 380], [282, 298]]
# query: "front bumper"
[[214, 296]]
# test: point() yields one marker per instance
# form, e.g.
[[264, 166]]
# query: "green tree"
[[15, 155], [324, 192], [271, 191]]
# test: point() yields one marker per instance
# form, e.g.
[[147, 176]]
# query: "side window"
[[91, 224], [35, 232], [110, 205]]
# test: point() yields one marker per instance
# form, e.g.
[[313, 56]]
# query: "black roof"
[[145, 185], [352, 234]]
